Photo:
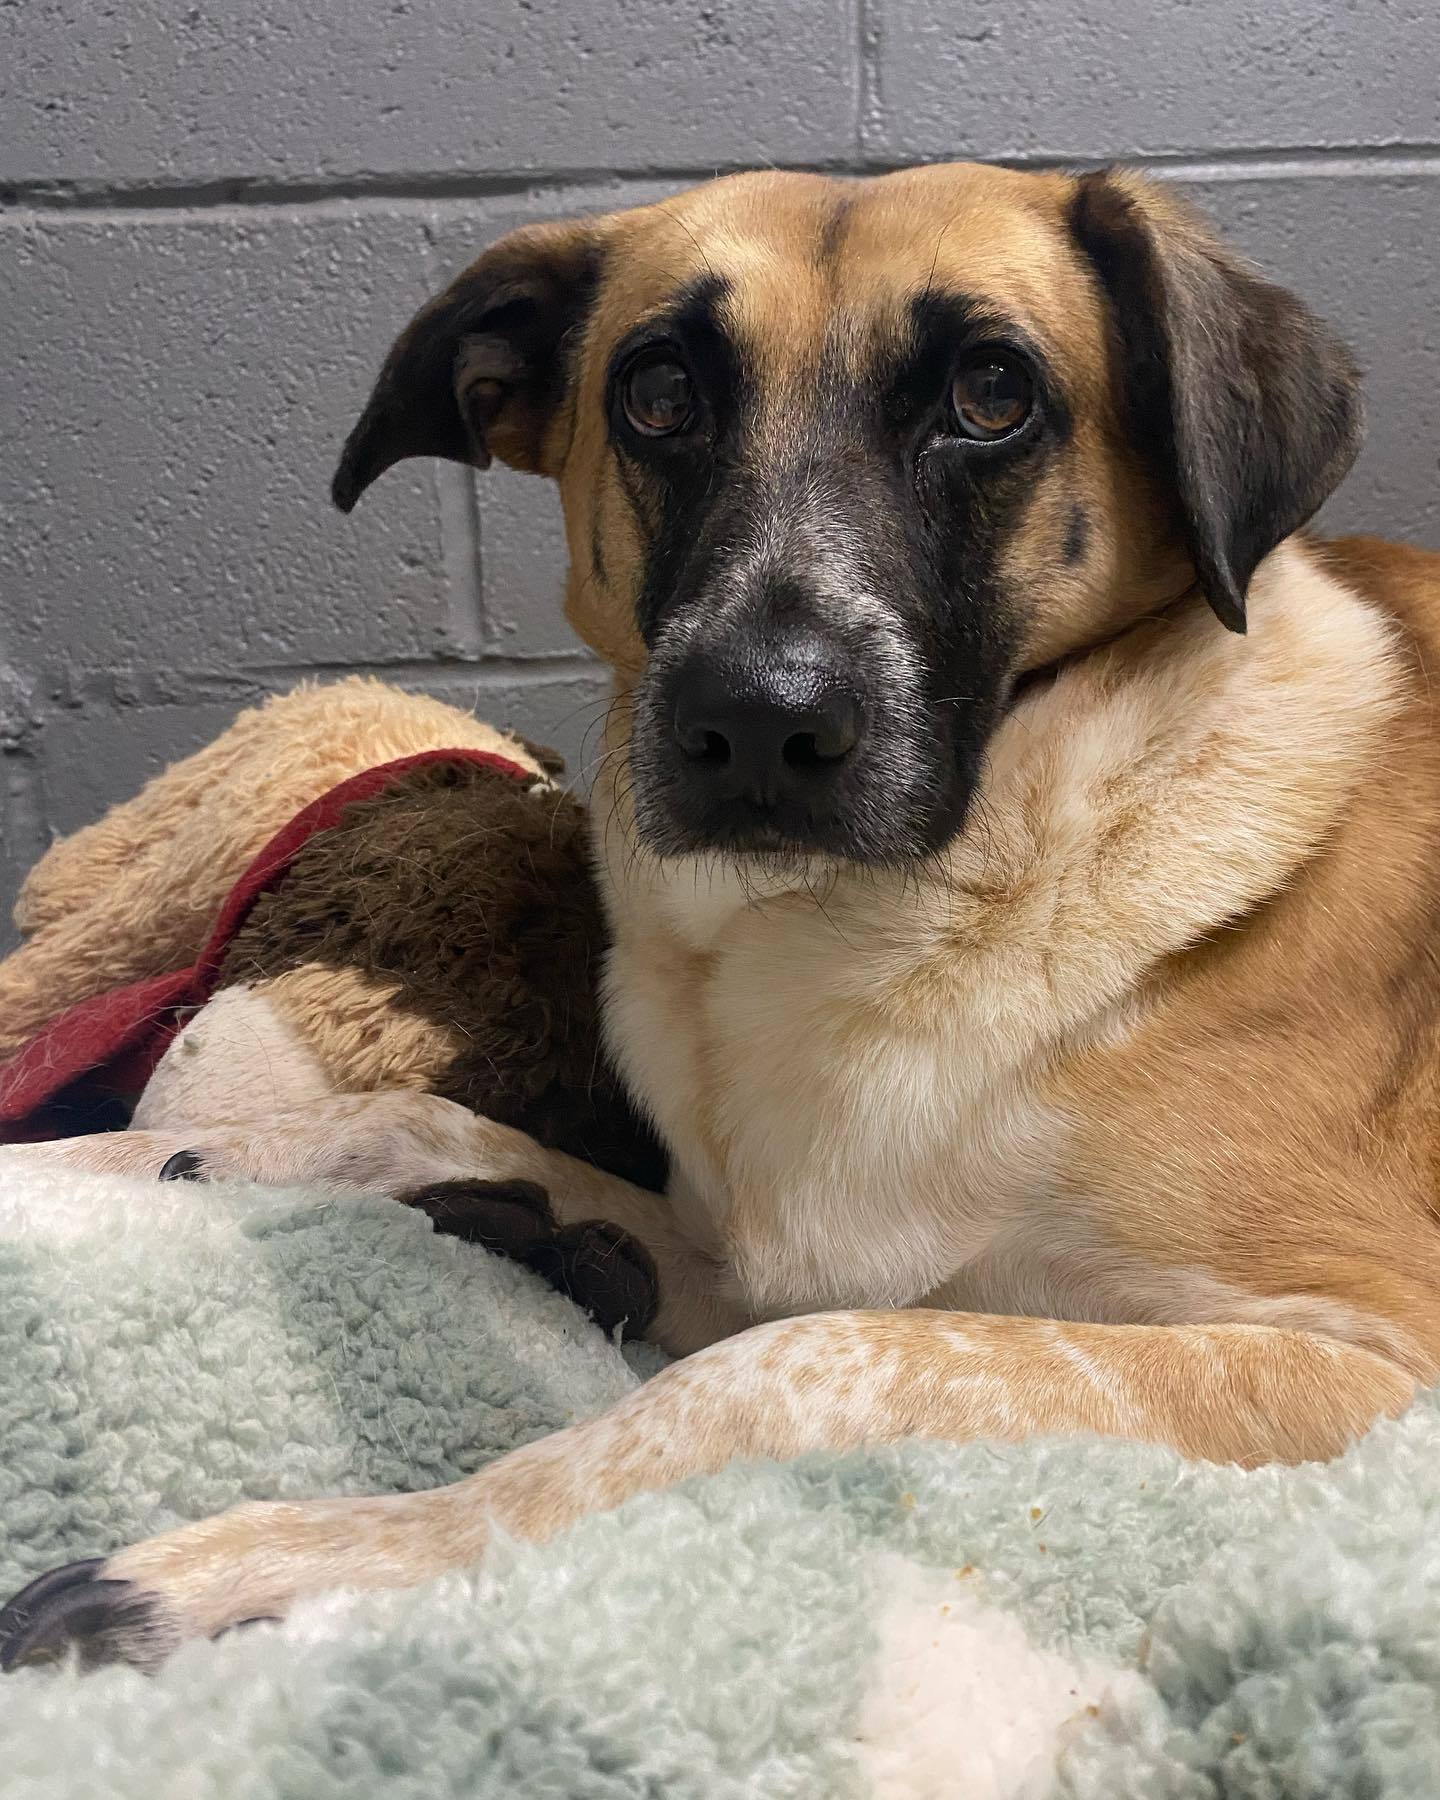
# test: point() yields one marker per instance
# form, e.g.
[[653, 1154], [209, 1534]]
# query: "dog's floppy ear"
[[1247, 403], [481, 368]]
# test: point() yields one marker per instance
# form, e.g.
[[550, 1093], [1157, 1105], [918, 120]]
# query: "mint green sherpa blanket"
[[1061, 1618]]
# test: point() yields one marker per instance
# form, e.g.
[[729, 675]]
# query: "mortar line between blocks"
[[867, 72], [177, 689], [487, 670], [26, 833], [467, 625], [23, 200]]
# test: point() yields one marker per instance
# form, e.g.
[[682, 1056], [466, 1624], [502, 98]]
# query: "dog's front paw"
[[79, 1609], [607, 1273], [241, 1567]]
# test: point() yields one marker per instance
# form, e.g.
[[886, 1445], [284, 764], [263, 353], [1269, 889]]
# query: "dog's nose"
[[766, 734]]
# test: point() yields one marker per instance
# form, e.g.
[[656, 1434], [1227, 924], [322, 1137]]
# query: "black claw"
[[184, 1165], [20, 1609], [73, 1608]]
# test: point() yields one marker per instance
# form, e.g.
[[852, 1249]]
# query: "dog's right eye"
[[658, 396], [991, 397]]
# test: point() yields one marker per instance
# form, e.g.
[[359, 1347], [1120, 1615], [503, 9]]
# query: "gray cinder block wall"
[[214, 216]]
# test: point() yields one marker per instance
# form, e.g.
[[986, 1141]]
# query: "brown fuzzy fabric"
[[473, 894], [137, 892]]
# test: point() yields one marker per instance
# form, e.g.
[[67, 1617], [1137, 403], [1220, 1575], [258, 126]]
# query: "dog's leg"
[[1246, 1394], [435, 1154]]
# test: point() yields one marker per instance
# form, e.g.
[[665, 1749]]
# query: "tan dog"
[[1002, 944]]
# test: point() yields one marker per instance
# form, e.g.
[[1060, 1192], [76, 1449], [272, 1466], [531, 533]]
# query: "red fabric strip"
[[122, 1034]]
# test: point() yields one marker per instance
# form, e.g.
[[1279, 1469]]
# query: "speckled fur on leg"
[[830, 1381]]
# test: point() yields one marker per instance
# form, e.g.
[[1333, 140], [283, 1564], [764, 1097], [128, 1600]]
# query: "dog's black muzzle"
[[766, 745]]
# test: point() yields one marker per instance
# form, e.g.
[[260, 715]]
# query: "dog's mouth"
[[760, 847]]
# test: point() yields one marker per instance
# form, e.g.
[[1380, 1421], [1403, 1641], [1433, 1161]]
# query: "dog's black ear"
[[1247, 404], [480, 369]]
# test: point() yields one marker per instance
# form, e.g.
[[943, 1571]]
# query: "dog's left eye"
[[658, 396], [990, 397]]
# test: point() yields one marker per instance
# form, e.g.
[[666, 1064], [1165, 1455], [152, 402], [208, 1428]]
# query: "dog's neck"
[[844, 1063]]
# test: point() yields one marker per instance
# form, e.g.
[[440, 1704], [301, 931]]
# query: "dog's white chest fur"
[[810, 1107], [851, 1072]]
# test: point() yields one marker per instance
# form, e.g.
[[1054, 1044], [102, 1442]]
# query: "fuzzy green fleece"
[[1063, 1618]]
